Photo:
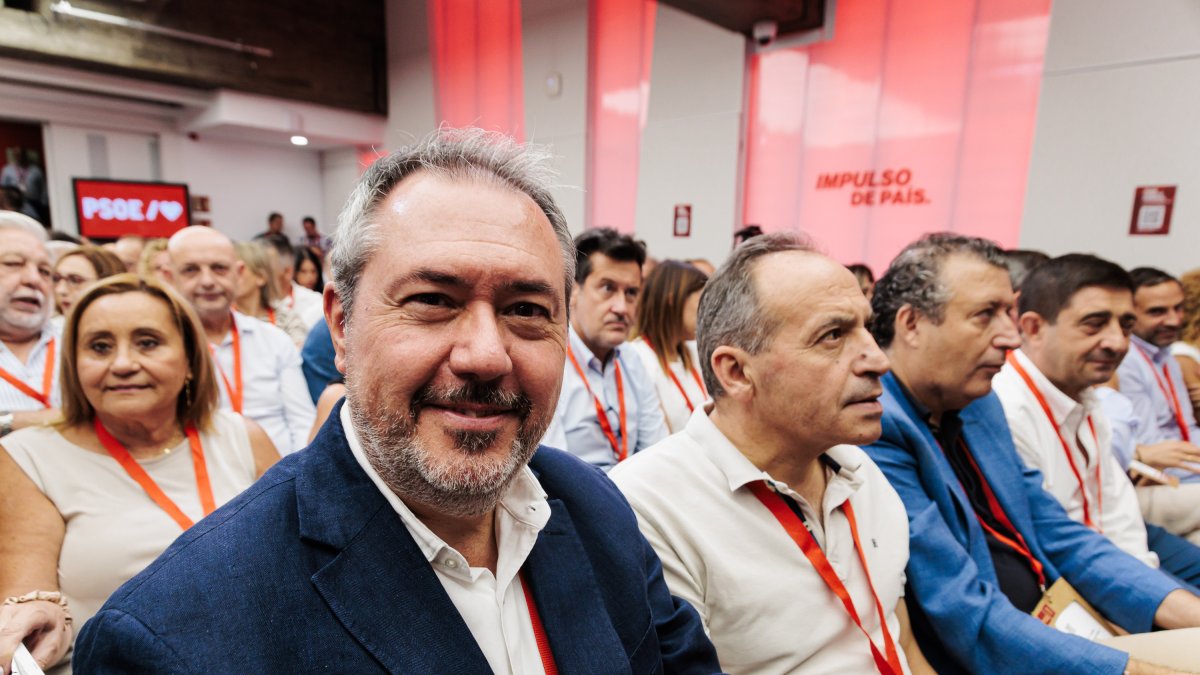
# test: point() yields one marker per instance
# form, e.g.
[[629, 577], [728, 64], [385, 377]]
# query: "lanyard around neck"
[[620, 450], [1168, 390], [42, 396], [679, 385], [799, 533], [1096, 523], [539, 631], [235, 390], [1016, 542], [139, 475]]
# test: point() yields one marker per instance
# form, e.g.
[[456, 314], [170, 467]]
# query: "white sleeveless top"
[[114, 530], [674, 405]]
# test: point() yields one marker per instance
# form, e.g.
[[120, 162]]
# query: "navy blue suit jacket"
[[311, 570], [960, 617]]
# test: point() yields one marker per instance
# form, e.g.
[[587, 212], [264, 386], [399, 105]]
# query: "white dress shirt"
[[274, 392], [31, 373], [674, 405], [575, 427], [763, 604], [492, 606], [1112, 503]]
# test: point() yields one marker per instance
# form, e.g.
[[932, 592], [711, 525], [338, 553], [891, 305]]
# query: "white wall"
[[1119, 108], [691, 142], [246, 181], [555, 43]]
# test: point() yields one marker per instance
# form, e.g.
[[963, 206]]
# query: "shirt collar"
[[843, 461], [525, 500], [244, 325], [1061, 405], [1157, 354], [585, 356], [49, 332]]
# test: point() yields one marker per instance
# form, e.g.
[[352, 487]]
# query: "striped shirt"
[[31, 373]]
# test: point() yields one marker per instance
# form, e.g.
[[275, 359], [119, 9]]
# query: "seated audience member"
[[1186, 350], [607, 409], [77, 269], [128, 248], [865, 278], [746, 234], [274, 226], [318, 357], [256, 288], [155, 262], [303, 302], [665, 341], [326, 402], [28, 371], [1076, 313], [759, 508], [256, 362], [415, 535], [308, 270], [985, 539], [140, 454], [1153, 381]]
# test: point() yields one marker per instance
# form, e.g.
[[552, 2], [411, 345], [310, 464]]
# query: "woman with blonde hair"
[[155, 260], [665, 338], [141, 453], [1187, 350], [257, 285]]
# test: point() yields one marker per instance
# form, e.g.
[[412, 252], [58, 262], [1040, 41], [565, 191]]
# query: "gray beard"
[[463, 485]]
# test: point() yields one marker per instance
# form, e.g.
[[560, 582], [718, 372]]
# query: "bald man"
[[257, 363]]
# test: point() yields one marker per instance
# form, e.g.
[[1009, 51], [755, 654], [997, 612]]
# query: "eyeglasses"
[[73, 280]]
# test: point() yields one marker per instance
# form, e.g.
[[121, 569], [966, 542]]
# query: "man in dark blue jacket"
[[985, 538], [415, 535]]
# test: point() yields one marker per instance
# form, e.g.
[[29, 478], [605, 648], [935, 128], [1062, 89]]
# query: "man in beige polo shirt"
[[786, 538]]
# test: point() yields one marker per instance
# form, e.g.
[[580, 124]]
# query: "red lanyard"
[[1019, 544], [799, 533], [139, 475], [43, 396], [539, 631], [621, 451], [271, 315], [678, 384], [1096, 524], [1169, 392], [235, 392]]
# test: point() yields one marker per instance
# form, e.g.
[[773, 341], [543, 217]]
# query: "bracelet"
[[45, 596]]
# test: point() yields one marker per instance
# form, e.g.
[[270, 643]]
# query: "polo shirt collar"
[[49, 332], [244, 325], [841, 461]]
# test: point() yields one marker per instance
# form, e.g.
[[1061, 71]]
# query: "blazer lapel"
[[569, 602], [378, 585]]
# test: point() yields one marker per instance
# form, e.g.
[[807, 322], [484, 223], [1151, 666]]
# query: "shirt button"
[[450, 563]]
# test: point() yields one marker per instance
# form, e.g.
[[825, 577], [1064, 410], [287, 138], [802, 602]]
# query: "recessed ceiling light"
[[299, 140]]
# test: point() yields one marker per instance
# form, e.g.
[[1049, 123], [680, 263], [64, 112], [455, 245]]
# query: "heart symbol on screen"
[[170, 210]]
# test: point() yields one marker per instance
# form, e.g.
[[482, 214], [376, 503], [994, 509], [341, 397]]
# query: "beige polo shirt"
[[763, 604]]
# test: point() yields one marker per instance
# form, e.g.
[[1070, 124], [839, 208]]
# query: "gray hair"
[[730, 312], [457, 154], [914, 279], [12, 220]]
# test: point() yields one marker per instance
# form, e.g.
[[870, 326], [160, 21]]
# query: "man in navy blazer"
[[985, 538], [420, 532]]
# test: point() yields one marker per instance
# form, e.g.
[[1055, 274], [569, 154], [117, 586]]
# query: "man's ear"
[[1031, 324], [907, 326], [335, 316], [730, 366]]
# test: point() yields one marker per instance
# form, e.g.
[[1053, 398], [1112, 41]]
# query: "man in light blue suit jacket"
[[942, 315], [420, 532]]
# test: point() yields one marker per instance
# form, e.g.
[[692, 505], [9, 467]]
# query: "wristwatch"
[[6, 423]]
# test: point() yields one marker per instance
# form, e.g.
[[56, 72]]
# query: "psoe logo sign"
[[108, 208]]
